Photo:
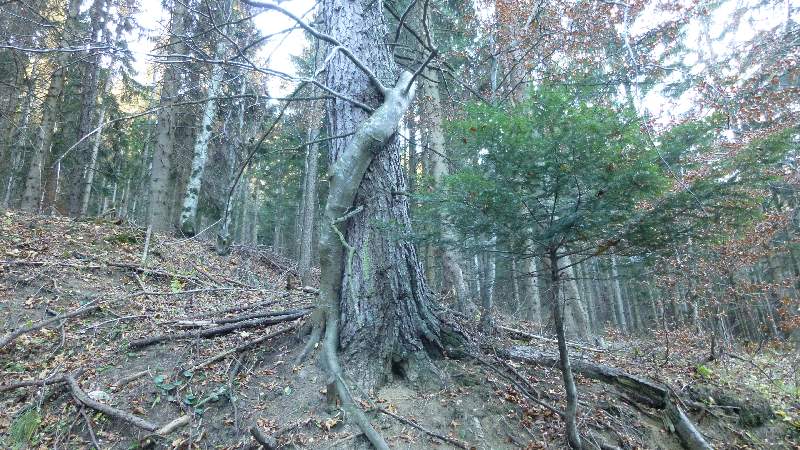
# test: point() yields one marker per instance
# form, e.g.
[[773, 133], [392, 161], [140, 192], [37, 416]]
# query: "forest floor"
[[50, 266]]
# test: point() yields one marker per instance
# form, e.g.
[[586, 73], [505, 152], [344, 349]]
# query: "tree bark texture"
[[161, 182], [383, 301]]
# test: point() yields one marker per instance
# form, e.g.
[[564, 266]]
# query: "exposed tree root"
[[221, 330], [409, 422], [639, 389]]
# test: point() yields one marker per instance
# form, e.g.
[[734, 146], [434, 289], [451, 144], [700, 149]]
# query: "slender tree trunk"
[[573, 437], [488, 272], [452, 273], [309, 206], [619, 301], [90, 170], [530, 289], [192, 194]]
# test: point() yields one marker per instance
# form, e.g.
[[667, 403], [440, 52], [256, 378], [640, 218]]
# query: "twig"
[[542, 338], [89, 428], [411, 423], [247, 345], [9, 338]]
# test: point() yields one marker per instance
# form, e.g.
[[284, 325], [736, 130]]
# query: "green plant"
[[704, 371], [24, 428]]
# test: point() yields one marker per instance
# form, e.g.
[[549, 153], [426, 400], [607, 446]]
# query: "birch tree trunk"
[[189, 210], [87, 186]]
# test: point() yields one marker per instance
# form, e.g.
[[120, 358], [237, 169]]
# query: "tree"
[[559, 176]]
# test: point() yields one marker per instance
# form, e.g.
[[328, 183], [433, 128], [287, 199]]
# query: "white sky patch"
[[276, 54]]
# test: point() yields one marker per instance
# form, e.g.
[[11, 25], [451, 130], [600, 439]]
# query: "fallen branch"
[[238, 308], [545, 339], [641, 390], [247, 345], [130, 378], [81, 396], [88, 421], [413, 424], [270, 442], [218, 331], [55, 379], [9, 338]]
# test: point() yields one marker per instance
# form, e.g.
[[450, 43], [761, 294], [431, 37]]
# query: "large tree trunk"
[[160, 208], [387, 323]]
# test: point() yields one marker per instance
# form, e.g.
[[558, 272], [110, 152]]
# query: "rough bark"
[[382, 300], [32, 194], [159, 214]]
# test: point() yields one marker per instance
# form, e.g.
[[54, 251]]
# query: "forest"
[[411, 224]]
